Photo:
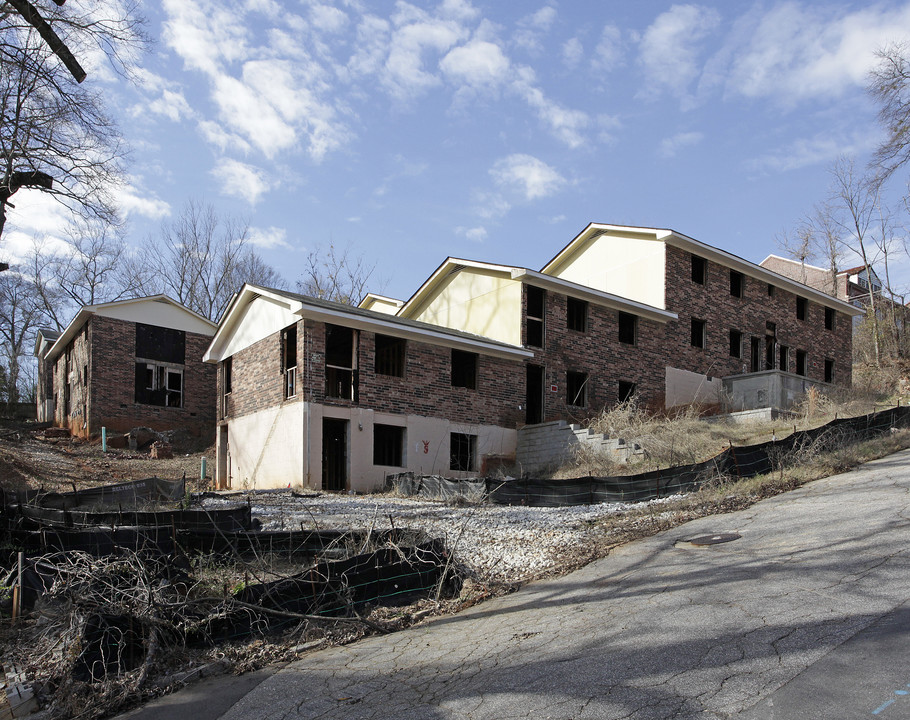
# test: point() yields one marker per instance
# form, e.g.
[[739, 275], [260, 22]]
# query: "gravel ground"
[[497, 544]]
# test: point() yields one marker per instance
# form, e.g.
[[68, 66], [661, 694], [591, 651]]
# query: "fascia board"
[[722, 257], [71, 331], [338, 317], [246, 295], [443, 271], [595, 297]]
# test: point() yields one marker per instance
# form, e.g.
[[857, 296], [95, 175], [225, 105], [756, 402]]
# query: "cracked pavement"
[[803, 616]]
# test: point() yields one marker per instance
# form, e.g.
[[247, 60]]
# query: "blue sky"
[[489, 130]]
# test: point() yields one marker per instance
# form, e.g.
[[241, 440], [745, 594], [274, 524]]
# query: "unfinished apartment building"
[[328, 396]]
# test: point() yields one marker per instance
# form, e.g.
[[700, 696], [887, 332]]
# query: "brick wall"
[[597, 352], [425, 389], [103, 357], [750, 314]]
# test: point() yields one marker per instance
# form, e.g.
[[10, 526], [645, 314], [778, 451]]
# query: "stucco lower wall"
[[269, 448], [265, 448]]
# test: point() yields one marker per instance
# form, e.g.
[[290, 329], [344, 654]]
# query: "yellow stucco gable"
[[479, 299], [628, 262]]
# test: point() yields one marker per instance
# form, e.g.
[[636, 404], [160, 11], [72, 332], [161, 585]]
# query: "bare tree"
[[889, 85], [201, 260], [20, 316], [55, 135], [335, 274]]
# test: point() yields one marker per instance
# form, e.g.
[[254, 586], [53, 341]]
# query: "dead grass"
[[686, 436]]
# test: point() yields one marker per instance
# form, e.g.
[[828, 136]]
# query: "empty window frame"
[[462, 452], [534, 325], [737, 284], [699, 269], [830, 315], [159, 384], [576, 388], [159, 343], [464, 369], [770, 290], [227, 372], [802, 308], [576, 314], [390, 355], [699, 333], [784, 358], [736, 344], [341, 377], [829, 370], [802, 362], [628, 328], [289, 360], [388, 445], [626, 391]]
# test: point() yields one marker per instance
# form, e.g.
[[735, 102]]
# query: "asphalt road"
[[805, 615]]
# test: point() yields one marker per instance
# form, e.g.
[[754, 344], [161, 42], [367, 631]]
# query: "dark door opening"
[[334, 454], [756, 355], [534, 409], [769, 352]]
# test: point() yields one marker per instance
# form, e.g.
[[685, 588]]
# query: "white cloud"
[[491, 205], [269, 238], [672, 145], [796, 52], [240, 180], [477, 64], [328, 19], [475, 234], [134, 201], [532, 28], [572, 52], [609, 51], [205, 34], [531, 178], [566, 124], [670, 47], [223, 139], [804, 152]]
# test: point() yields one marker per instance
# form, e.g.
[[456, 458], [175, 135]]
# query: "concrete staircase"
[[546, 445]]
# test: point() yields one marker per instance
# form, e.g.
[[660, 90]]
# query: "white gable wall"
[[156, 312], [257, 320]]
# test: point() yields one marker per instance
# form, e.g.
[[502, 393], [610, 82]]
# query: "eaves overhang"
[[595, 297]]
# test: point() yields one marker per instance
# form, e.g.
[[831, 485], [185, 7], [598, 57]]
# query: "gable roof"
[[721, 257], [124, 309], [452, 265], [357, 318]]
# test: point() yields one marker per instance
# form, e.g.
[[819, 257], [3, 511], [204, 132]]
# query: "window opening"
[[289, 360], [626, 391], [159, 343], [784, 358], [341, 376], [464, 369], [802, 308], [829, 318], [388, 445], [576, 388], [535, 316], [699, 269], [462, 452], [802, 362], [390, 355], [737, 283], [736, 344], [829, 370], [628, 328], [159, 384], [698, 333], [576, 314], [770, 290]]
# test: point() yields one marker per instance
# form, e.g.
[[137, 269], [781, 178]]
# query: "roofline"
[[582, 292], [678, 239], [86, 311], [382, 298], [298, 305], [801, 263]]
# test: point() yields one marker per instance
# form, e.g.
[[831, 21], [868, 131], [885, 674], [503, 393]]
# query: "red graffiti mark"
[[426, 447]]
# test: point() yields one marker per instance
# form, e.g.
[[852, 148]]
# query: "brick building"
[[127, 364], [326, 395]]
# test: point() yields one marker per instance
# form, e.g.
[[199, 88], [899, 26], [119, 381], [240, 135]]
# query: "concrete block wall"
[[546, 445]]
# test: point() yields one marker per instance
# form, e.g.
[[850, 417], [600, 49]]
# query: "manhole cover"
[[714, 539]]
